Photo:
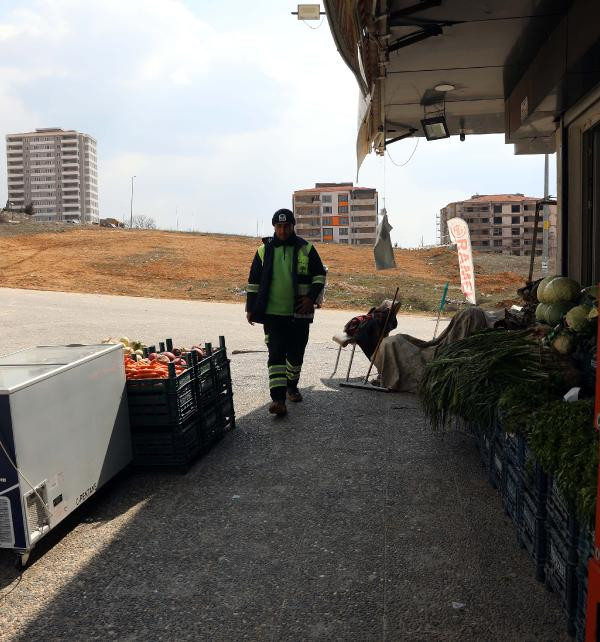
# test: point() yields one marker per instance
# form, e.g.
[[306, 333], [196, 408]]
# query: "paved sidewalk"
[[347, 520]]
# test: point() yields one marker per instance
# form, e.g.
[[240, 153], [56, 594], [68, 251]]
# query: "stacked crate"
[[176, 419], [562, 558], [585, 551], [163, 417], [531, 525]]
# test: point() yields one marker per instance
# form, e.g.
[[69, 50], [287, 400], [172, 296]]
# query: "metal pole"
[[546, 219], [131, 206]]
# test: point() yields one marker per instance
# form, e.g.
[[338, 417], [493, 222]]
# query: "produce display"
[[144, 362]]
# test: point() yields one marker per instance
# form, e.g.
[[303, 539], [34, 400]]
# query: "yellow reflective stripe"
[[276, 369], [319, 279], [252, 287], [276, 383], [261, 253], [303, 288]]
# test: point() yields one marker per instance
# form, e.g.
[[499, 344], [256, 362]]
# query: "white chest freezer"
[[64, 432]]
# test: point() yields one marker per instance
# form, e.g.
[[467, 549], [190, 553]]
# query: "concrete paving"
[[349, 519]]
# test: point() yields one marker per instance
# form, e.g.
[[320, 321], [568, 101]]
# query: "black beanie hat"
[[283, 216]]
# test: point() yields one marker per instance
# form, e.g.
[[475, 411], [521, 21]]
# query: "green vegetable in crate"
[[593, 313], [564, 343], [577, 318], [561, 289], [542, 286], [556, 311]]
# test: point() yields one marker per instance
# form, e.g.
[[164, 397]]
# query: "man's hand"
[[249, 318], [305, 305]]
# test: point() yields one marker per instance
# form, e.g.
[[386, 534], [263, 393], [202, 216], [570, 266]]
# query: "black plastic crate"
[[534, 479], [562, 517], [513, 449], [210, 425], [531, 530], [206, 386], [585, 550], [158, 402], [166, 447], [497, 462], [226, 409], [511, 492], [561, 576], [484, 441]]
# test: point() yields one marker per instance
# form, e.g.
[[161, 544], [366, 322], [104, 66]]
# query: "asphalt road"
[[347, 520]]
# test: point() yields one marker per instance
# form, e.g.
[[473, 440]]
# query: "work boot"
[[293, 394], [277, 408]]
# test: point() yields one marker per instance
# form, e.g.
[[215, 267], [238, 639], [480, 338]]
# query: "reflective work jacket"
[[280, 274]]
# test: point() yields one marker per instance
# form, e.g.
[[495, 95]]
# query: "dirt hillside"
[[182, 265]]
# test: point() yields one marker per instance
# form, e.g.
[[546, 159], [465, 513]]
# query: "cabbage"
[[577, 318], [542, 286], [540, 312], [556, 311], [564, 343], [561, 289]]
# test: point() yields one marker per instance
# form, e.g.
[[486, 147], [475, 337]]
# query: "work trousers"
[[286, 339]]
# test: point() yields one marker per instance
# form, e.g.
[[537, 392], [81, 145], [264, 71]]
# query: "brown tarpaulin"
[[401, 359]]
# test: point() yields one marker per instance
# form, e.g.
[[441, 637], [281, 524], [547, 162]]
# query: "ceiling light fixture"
[[444, 87], [435, 127]]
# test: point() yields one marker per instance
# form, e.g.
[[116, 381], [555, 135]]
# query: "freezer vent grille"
[[36, 515], [7, 535]]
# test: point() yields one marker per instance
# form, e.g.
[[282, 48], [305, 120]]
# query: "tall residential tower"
[[56, 172]]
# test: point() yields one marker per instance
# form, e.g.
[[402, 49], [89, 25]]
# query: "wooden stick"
[[381, 335]]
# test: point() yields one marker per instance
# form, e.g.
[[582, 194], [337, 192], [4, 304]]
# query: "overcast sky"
[[221, 110]]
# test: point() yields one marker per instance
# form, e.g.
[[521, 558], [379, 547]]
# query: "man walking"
[[286, 277]]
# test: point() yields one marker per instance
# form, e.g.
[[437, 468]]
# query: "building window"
[[515, 220], [497, 231], [343, 209], [343, 197], [516, 242], [485, 220], [327, 209], [327, 220], [497, 243], [327, 231], [497, 209], [516, 232], [515, 208], [344, 241], [343, 231], [326, 198], [485, 243], [497, 220], [343, 220]]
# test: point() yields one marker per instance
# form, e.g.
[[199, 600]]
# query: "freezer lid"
[[56, 355], [13, 378]]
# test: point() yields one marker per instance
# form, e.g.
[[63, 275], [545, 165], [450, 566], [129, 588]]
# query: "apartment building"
[[500, 223], [336, 213], [55, 171]]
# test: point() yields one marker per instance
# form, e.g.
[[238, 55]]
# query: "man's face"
[[283, 231]]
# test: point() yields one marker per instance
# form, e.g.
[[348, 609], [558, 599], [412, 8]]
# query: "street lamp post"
[[131, 206]]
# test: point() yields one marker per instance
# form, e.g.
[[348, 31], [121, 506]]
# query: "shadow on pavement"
[[346, 520]]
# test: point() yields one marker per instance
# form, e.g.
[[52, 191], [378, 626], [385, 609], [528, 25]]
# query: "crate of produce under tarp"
[[159, 394], [167, 447]]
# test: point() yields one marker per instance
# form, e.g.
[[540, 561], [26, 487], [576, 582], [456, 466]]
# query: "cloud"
[[221, 112]]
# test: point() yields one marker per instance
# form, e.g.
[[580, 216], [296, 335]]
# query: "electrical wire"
[[406, 162], [313, 28], [12, 463]]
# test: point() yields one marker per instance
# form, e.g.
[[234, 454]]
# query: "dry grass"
[[182, 265]]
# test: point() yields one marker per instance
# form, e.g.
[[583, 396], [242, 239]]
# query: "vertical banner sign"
[[459, 234]]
